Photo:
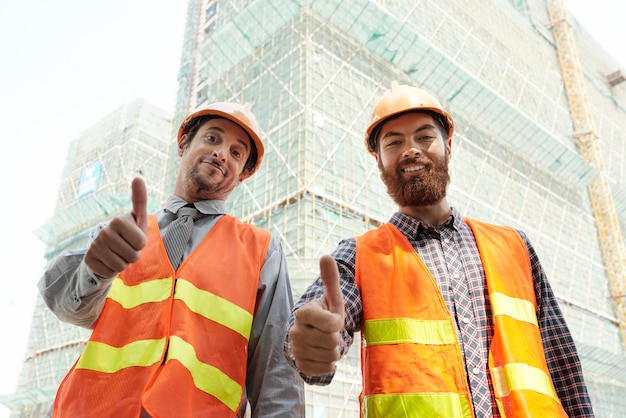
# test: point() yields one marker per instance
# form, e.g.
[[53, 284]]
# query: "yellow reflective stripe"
[[408, 330], [207, 378], [521, 376], [520, 309], [431, 404], [108, 359], [132, 296], [214, 307]]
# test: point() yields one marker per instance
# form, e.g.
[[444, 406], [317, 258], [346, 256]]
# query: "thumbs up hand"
[[121, 241], [316, 332], [140, 204]]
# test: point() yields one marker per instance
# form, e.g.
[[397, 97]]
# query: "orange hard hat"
[[241, 115], [400, 99]]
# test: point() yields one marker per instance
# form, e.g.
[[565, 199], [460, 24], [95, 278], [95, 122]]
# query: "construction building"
[[539, 144]]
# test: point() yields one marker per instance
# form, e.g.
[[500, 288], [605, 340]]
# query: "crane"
[[607, 222]]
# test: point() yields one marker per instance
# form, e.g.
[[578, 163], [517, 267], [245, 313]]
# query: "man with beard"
[[183, 324], [457, 318]]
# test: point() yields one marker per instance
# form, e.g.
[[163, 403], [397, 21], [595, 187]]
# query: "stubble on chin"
[[209, 190]]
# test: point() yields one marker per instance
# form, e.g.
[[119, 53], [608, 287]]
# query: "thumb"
[[332, 291], [140, 203]]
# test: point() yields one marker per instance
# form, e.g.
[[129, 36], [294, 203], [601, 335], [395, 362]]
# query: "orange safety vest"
[[411, 359], [172, 342]]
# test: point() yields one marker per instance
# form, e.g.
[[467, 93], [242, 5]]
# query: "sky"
[[67, 64]]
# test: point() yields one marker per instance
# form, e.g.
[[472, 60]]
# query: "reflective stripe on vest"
[[213, 307], [520, 309], [132, 296], [416, 405], [207, 378], [520, 376], [105, 358], [407, 330]]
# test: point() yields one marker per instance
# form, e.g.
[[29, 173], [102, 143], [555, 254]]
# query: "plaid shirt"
[[450, 253]]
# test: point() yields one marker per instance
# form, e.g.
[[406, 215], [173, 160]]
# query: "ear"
[[182, 145], [449, 148], [243, 175], [379, 164]]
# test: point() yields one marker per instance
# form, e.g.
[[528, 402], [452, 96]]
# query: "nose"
[[411, 151], [220, 154]]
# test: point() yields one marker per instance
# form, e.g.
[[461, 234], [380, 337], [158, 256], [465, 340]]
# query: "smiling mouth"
[[215, 165], [413, 168]]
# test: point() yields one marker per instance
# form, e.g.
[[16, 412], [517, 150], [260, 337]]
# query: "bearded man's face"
[[413, 159]]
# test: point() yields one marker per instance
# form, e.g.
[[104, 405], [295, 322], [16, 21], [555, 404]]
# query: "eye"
[[238, 153], [210, 138]]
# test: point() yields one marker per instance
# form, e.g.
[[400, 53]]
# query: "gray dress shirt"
[[273, 388]]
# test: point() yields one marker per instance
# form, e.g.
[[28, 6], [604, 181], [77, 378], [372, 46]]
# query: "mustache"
[[414, 161], [211, 159], [215, 161]]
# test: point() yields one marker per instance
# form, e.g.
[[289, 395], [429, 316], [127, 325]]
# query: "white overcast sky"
[[66, 64]]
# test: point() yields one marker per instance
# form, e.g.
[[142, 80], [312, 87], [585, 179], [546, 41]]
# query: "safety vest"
[[172, 342], [411, 359]]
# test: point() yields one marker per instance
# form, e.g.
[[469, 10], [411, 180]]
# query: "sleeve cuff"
[[88, 281]]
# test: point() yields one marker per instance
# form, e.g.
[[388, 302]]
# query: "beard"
[[204, 188], [425, 189]]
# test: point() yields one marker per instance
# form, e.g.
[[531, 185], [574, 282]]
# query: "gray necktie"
[[178, 234]]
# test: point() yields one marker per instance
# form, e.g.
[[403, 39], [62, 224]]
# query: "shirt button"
[[466, 320], [446, 240], [475, 370], [456, 276]]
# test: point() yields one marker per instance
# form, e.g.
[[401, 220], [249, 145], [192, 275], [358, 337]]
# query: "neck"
[[433, 215]]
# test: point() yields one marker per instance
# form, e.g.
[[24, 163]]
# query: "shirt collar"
[[410, 227], [207, 207]]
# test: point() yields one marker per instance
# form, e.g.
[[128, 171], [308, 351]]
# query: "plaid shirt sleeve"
[[561, 356], [344, 255]]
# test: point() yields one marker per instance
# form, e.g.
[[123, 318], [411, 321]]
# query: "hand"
[[120, 242], [316, 332]]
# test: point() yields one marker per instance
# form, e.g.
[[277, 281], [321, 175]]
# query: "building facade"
[[312, 70]]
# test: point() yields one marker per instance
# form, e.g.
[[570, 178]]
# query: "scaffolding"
[[609, 232], [312, 70]]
